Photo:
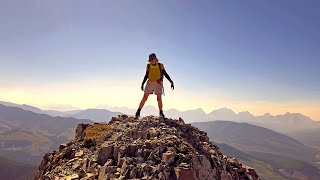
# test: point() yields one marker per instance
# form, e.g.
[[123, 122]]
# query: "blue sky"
[[237, 54]]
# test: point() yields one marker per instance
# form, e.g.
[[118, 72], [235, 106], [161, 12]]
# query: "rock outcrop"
[[149, 148]]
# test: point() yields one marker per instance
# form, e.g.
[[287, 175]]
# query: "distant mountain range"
[[97, 115], [26, 136], [286, 123], [23, 106]]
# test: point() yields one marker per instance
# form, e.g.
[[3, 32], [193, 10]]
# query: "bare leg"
[[159, 101], [143, 100]]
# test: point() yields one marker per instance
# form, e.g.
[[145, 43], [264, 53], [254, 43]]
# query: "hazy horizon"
[[247, 56], [66, 107]]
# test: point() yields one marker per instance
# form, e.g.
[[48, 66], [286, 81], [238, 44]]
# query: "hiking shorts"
[[153, 87]]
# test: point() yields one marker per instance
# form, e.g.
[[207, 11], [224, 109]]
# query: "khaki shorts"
[[153, 87]]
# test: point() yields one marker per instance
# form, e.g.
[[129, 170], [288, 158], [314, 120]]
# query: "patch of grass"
[[96, 134]]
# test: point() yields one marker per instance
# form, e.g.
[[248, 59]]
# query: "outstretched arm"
[[167, 75]]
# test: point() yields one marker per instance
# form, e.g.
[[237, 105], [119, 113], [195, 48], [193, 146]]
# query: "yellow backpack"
[[161, 74]]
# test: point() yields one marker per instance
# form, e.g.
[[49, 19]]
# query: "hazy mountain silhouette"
[[97, 115], [124, 110], [62, 107], [23, 106], [147, 110], [223, 114], [15, 117], [245, 116], [60, 113], [189, 115], [286, 123]]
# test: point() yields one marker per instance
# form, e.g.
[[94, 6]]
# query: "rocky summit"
[[148, 148]]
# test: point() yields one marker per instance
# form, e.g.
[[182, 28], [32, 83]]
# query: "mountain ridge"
[[283, 123], [155, 110], [26, 136]]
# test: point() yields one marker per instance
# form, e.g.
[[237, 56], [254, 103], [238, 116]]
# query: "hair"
[[152, 56]]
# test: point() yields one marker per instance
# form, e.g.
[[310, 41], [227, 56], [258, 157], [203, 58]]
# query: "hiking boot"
[[161, 114], [138, 113]]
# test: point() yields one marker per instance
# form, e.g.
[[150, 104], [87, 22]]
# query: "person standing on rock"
[[154, 74]]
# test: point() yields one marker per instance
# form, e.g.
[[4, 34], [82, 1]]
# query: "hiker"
[[154, 74]]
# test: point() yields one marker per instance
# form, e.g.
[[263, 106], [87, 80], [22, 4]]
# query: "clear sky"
[[260, 56]]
